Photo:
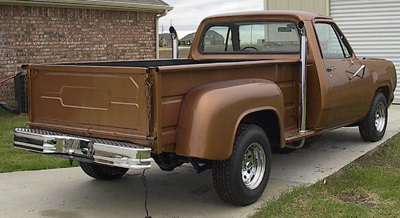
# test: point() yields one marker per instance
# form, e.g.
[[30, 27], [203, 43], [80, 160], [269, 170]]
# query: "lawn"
[[369, 187], [12, 159]]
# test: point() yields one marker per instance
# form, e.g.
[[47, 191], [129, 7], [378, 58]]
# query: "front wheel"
[[242, 179], [373, 126], [102, 172]]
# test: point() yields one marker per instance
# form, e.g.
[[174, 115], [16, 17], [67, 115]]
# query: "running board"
[[295, 135]]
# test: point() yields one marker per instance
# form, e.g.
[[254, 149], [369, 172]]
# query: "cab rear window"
[[263, 37]]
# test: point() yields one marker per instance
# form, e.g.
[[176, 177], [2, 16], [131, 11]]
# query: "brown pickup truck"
[[253, 82]]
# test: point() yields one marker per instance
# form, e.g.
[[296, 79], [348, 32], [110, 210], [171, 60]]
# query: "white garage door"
[[372, 28]]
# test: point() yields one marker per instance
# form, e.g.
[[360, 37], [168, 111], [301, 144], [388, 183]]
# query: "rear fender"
[[210, 115]]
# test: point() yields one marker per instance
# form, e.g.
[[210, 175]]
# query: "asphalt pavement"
[[181, 193]]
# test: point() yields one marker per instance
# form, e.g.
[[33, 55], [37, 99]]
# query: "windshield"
[[261, 37]]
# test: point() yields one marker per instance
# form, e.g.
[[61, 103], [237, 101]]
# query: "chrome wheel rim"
[[380, 117], [253, 166]]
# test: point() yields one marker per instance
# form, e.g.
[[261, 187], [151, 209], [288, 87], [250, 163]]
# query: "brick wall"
[[50, 35]]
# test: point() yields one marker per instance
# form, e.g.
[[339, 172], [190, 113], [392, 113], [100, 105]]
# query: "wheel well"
[[385, 91], [269, 122]]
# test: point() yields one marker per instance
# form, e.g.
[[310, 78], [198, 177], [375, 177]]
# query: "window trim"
[[341, 39], [227, 38]]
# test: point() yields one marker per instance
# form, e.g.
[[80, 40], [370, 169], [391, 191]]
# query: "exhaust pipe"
[[300, 26], [175, 41], [303, 31]]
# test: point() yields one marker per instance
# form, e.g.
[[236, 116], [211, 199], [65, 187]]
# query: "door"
[[345, 74], [372, 28]]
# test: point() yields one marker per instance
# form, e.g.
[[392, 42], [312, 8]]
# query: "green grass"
[[12, 159], [370, 187]]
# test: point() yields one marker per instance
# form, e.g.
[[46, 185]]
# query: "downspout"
[[158, 32], [303, 129]]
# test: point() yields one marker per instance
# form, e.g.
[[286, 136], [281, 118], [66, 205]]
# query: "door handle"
[[330, 69], [357, 72]]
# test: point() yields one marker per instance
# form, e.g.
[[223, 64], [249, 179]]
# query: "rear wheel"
[[241, 179], [373, 127], [102, 172]]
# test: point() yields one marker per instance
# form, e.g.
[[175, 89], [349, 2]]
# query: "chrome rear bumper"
[[107, 152]]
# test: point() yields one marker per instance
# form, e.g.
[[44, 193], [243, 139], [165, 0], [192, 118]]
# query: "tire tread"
[[222, 170]]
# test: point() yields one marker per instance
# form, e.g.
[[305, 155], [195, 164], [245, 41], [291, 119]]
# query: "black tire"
[[228, 175], [373, 126], [102, 172]]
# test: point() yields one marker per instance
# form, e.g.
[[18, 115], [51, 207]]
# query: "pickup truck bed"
[[113, 100]]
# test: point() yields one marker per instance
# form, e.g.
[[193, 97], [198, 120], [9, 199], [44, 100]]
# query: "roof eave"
[[91, 4]]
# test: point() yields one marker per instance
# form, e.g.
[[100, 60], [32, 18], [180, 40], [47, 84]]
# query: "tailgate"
[[110, 100]]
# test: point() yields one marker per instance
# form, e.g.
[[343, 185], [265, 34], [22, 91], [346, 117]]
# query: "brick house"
[[188, 39], [70, 31], [166, 39]]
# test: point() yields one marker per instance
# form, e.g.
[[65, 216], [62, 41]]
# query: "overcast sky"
[[187, 14]]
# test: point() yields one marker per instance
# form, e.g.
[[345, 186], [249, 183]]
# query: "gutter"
[[92, 4]]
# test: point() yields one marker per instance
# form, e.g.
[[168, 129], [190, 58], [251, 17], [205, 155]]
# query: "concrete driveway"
[[181, 193]]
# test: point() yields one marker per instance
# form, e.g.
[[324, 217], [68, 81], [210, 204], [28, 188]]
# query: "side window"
[[217, 39], [332, 45]]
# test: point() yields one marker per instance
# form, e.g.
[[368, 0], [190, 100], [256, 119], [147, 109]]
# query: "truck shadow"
[[170, 194]]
